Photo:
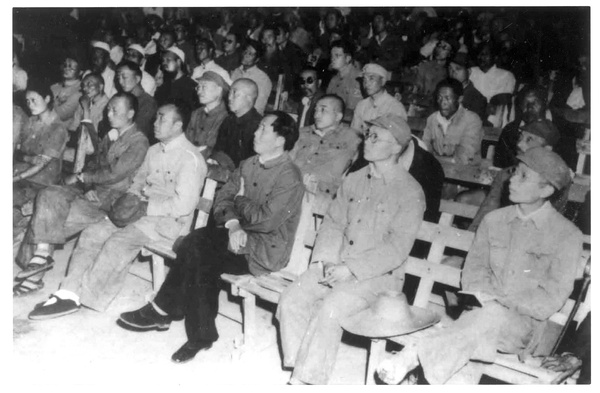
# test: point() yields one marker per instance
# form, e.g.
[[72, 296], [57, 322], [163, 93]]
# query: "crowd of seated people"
[[121, 114]]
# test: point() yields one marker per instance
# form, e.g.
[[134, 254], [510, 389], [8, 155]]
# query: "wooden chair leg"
[[249, 311], [376, 352], [158, 272]]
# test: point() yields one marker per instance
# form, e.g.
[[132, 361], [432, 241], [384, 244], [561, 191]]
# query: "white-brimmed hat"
[[137, 48], [101, 45], [177, 51], [390, 315]]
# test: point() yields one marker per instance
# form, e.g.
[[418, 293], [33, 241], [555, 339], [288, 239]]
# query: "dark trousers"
[[191, 289]]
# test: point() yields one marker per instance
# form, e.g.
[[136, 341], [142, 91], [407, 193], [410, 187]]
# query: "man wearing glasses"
[[231, 57], [310, 86], [360, 251]]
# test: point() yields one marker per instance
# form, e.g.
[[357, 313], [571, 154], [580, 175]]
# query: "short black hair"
[[285, 126], [42, 87], [346, 46], [96, 75], [210, 46], [258, 47], [283, 26], [311, 69], [132, 66], [453, 84], [179, 114], [538, 91], [338, 99], [130, 99]]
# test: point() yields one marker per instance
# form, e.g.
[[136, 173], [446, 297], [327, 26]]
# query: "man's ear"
[[460, 99], [319, 83], [547, 191], [339, 116], [179, 125]]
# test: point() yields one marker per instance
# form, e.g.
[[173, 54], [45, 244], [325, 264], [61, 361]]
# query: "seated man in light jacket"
[[521, 267], [168, 184], [453, 131], [361, 248], [252, 230]]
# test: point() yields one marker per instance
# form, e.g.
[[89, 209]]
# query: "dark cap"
[[545, 129], [548, 164], [462, 59]]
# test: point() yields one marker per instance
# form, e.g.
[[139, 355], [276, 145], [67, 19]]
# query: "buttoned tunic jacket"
[[269, 210], [326, 157], [170, 178], [372, 223]]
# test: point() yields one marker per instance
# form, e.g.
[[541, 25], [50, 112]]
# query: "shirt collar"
[[538, 217], [216, 110], [379, 99], [174, 143], [274, 161], [389, 177]]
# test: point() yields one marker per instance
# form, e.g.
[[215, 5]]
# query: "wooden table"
[[484, 173], [490, 134]]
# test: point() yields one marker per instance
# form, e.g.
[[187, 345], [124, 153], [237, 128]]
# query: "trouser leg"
[[86, 250], [296, 306], [318, 351], [477, 334], [103, 281], [61, 212], [191, 288]]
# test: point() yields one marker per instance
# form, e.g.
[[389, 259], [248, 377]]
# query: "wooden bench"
[[161, 250], [430, 272], [269, 287]]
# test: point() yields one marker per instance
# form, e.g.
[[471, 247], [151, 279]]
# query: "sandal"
[[27, 287], [34, 268]]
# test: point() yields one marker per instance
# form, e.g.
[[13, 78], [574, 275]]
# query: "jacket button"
[[351, 199], [351, 242], [327, 191], [368, 176], [255, 184]]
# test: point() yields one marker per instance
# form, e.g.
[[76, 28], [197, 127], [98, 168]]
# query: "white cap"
[[137, 48], [101, 45], [177, 51]]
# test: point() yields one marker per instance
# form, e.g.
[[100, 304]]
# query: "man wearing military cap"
[[521, 267], [379, 102], [205, 121], [360, 251], [540, 133]]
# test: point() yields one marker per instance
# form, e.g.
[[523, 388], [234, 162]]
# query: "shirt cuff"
[[231, 222], [86, 121]]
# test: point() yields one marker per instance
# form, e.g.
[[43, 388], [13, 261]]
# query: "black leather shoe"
[[189, 350], [146, 318]]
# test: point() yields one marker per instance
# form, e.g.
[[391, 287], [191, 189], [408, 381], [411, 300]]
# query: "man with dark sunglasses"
[[310, 86], [232, 56]]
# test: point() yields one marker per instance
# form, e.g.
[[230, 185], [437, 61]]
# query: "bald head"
[[242, 96]]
